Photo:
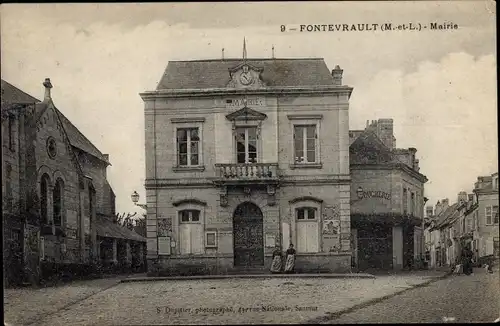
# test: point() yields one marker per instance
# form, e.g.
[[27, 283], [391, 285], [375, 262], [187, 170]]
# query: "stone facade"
[[54, 183], [267, 173], [486, 234], [387, 200]]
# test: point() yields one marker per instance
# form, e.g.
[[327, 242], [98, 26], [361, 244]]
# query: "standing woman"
[[290, 259], [276, 264]]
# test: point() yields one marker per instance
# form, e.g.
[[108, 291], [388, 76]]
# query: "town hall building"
[[242, 156]]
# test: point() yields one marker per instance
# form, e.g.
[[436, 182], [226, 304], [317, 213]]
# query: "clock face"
[[246, 78]]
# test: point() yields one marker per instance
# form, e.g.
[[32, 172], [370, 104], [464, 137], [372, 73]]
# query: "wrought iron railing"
[[252, 171]]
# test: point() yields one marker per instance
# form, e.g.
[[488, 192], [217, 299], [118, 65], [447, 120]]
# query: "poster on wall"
[[164, 227], [164, 245], [331, 227], [270, 241]]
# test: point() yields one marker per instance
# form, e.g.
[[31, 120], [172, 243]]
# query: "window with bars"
[[189, 216], [305, 143], [188, 147], [306, 213], [246, 145]]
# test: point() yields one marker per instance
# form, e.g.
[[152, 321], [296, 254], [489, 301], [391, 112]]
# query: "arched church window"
[[44, 198], [58, 197]]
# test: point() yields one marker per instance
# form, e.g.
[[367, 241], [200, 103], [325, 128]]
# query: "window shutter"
[[196, 239], [185, 239]]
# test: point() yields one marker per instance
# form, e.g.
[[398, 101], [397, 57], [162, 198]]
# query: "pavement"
[[254, 276], [457, 299], [283, 299]]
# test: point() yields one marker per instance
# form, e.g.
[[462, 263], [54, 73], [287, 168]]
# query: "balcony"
[[263, 173]]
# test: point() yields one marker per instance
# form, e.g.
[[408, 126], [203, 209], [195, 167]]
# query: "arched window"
[[44, 198], [307, 215], [91, 201], [58, 197], [307, 229], [190, 231]]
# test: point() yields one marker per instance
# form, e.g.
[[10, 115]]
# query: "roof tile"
[[201, 74]]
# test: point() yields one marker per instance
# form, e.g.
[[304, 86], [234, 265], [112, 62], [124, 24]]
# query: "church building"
[[242, 156]]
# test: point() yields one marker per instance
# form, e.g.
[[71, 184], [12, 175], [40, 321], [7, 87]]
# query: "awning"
[[107, 229]]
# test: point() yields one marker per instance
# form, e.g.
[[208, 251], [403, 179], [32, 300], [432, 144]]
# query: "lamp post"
[[423, 228], [135, 199]]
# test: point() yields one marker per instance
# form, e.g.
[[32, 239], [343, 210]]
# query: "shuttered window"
[[190, 232], [307, 229]]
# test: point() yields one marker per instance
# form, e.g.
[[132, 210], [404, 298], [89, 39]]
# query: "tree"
[[125, 221]]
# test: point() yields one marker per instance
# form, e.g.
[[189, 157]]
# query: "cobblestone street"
[[456, 299], [263, 300]]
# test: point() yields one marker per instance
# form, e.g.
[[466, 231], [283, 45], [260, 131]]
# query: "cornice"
[[390, 166], [212, 182], [175, 93]]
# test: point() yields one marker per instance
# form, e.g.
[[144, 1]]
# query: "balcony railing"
[[247, 172]]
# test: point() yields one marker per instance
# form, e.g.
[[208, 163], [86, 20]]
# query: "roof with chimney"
[[203, 74], [369, 149], [447, 216], [13, 95]]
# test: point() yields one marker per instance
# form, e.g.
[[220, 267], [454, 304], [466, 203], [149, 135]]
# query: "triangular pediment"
[[241, 65], [246, 114], [245, 75], [49, 119]]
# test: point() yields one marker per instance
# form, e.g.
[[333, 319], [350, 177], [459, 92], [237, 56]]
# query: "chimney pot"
[[337, 75]]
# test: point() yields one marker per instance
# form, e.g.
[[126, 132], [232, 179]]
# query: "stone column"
[[397, 247], [115, 251], [128, 252]]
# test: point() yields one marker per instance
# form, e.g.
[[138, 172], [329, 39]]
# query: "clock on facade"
[[51, 147], [246, 78]]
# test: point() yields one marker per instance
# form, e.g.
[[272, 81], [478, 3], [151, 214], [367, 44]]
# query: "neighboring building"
[[486, 234], [387, 203], [243, 155], [54, 188]]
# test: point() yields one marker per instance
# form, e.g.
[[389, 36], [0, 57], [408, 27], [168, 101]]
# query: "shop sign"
[[374, 194], [241, 102]]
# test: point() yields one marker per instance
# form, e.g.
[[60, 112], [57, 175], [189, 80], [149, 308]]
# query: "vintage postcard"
[[249, 163]]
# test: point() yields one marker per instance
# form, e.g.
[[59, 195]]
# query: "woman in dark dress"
[[290, 260], [467, 261]]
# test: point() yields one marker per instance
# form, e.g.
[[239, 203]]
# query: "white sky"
[[439, 86]]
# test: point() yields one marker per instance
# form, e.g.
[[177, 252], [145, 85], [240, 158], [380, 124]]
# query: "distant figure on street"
[[467, 261], [290, 259], [276, 264]]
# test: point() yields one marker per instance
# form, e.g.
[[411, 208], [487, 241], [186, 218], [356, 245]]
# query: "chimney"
[[337, 76], [445, 202], [367, 123], [385, 131], [429, 210], [462, 197], [48, 85]]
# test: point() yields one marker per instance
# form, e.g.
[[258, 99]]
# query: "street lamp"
[[135, 199], [423, 229], [359, 193]]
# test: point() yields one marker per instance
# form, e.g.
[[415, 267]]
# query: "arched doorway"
[[248, 244]]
